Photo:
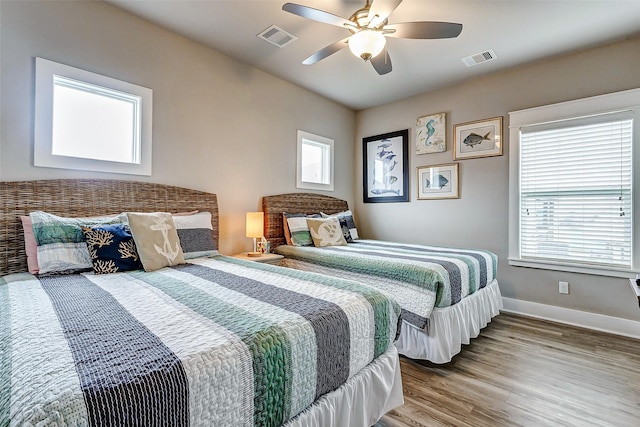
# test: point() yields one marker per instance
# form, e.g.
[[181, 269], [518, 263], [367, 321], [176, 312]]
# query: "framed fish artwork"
[[482, 138], [431, 133], [438, 182], [385, 176]]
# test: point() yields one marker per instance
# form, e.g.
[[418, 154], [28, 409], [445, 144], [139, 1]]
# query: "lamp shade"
[[255, 221], [367, 43]]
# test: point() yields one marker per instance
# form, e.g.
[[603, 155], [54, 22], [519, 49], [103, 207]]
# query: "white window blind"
[[575, 191]]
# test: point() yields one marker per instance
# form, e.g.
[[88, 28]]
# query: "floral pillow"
[[111, 248]]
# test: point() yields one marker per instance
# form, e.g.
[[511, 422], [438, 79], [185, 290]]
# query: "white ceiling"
[[518, 31]]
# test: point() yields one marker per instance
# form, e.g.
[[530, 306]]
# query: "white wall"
[[480, 217], [218, 124]]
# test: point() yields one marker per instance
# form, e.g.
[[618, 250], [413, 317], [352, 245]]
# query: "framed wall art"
[[482, 138], [385, 176], [431, 132], [438, 182]]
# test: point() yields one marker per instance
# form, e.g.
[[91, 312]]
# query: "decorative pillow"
[[194, 232], [296, 230], [111, 248], [30, 246], [347, 223], [326, 232], [156, 239], [185, 213], [60, 243]]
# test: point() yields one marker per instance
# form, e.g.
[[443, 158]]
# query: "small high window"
[[315, 162], [86, 121]]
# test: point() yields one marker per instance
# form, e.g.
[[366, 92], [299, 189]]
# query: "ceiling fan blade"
[[424, 30], [327, 51], [317, 15], [382, 63], [379, 11]]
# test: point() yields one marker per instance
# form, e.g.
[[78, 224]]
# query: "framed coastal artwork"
[[482, 138], [431, 132], [385, 176], [438, 182]]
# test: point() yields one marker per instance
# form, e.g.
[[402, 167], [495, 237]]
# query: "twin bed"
[[213, 341], [447, 295]]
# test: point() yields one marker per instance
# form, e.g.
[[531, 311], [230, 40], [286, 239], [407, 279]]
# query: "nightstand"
[[635, 288], [266, 258]]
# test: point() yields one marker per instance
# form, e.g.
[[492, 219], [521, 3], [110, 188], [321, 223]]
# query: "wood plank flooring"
[[526, 372]]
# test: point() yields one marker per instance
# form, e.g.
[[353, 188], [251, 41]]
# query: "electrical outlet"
[[563, 287]]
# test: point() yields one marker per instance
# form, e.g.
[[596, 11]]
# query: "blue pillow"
[[111, 248]]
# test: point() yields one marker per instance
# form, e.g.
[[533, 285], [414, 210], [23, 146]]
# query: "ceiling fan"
[[369, 28]]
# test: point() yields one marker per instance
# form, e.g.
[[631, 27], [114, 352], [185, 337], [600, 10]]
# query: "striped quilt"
[[418, 277], [217, 342]]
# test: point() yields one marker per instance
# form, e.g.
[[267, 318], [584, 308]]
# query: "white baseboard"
[[583, 319]]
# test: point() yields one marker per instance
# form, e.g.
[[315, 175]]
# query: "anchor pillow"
[[156, 239]]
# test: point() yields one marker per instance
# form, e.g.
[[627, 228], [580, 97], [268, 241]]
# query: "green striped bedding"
[[418, 277], [218, 341]]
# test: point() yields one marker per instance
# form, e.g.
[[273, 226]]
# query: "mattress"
[[218, 341], [419, 277]]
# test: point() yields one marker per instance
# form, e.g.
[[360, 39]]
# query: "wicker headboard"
[[306, 203], [76, 198]]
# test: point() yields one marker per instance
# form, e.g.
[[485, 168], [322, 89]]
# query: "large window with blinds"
[[573, 201], [575, 190]]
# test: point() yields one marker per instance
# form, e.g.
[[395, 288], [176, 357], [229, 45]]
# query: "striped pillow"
[[61, 246], [195, 234], [296, 230]]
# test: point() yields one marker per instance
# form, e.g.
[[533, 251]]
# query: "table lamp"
[[255, 221]]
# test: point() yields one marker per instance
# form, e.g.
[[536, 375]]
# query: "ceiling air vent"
[[277, 36], [478, 58]]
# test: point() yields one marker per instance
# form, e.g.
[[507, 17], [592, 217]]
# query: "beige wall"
[[480, 217], [224, 127], [218, 124]]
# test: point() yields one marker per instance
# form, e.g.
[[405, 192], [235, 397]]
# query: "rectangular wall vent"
[[479, 58], [277, 36]]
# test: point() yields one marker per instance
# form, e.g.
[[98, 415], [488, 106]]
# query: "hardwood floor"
[[526, 372]]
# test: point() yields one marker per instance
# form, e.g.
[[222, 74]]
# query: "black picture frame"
[[385, 173]]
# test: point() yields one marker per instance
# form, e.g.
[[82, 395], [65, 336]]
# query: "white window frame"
[[327, 144], [603, 104], [46, 72]]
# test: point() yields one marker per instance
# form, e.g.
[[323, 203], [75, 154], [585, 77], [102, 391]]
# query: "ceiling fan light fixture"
[[367, 43]]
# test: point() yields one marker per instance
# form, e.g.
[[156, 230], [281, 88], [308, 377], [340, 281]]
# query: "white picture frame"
[[482, 138], [438, 182]]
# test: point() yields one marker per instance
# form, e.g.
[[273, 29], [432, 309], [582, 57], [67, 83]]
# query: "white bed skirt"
[[450, 327], [362, 400]]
